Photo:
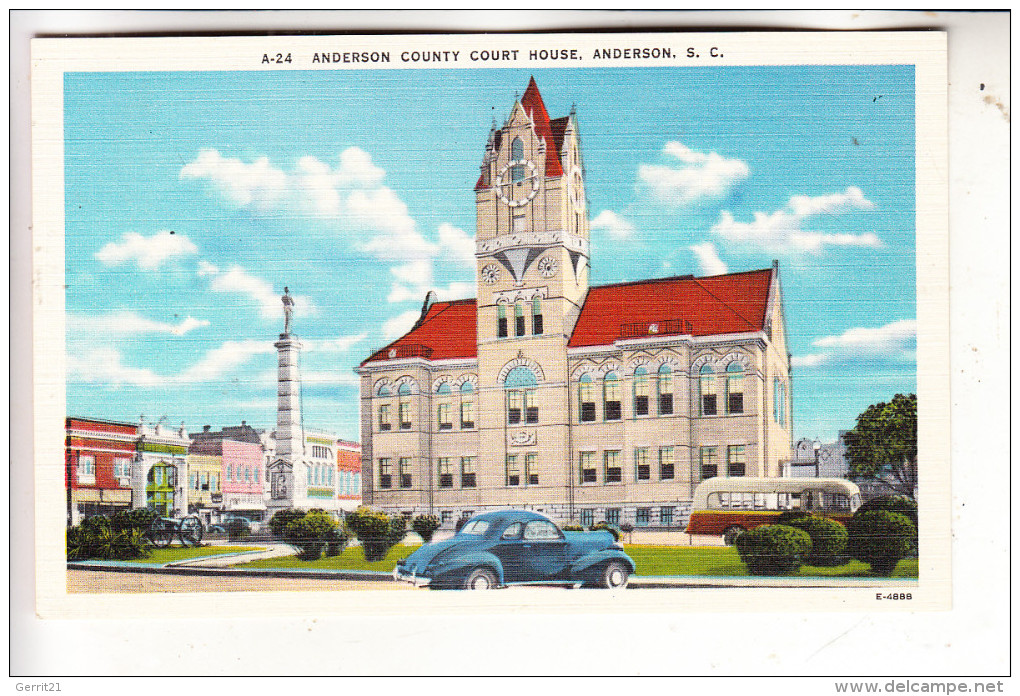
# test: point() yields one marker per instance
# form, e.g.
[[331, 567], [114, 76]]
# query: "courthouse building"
[[584, 402]]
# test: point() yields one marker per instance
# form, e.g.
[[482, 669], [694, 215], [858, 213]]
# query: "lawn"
[[177, 553], [651, 560]]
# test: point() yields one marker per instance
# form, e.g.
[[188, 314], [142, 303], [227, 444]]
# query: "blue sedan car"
[[515, 547]]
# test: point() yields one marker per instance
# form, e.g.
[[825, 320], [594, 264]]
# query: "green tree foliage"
[[883, 445], [377, 531], [97, 538], [282, 518], [828, 540], [425, 526], [880, 538], [310, 533], [773, 549]]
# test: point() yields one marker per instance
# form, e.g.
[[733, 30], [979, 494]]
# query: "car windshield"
[[475, 527]]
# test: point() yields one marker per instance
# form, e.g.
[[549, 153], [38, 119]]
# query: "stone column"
[[289, 432]]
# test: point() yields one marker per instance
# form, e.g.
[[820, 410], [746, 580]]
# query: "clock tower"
[[532, 264]]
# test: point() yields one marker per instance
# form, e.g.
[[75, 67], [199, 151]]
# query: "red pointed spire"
[[535, 108]]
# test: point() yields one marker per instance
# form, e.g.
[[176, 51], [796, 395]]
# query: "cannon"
[[164, 530]]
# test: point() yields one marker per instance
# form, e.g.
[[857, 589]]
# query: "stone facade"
[[585, 403]]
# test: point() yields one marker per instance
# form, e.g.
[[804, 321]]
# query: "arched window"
[[640, 392], [501, 327], [467, 405], [385, 391], [519, 319], [611, 397], [586, 398], [443, 407], [537, 326], [734, 387], [665, 390], [520, 396], [404, 406], [706, 391], [517, 155]]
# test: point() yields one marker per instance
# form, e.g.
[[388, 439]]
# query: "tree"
[[883, 445]]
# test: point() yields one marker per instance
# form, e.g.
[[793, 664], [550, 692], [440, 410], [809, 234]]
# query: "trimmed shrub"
[[311, 533], [791, 515], [572, 527], [894, 503], [880, 538], [606, 527], [828, 540], [337, 540], [377, 531], [773, 549], [425, 526], [282, 518]]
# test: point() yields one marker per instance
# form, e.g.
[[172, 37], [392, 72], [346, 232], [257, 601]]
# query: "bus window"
[[760, 501], [714, 501]]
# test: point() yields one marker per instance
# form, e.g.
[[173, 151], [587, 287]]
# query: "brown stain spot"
[[993, 101]]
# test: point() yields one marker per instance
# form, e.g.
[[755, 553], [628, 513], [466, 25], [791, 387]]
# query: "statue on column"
[[288, 310]]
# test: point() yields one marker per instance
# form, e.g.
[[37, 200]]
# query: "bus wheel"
[[729, 537]]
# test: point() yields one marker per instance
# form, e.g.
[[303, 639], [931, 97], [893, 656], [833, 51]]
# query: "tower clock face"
[[548, 267], [517, 183], [490, 274]]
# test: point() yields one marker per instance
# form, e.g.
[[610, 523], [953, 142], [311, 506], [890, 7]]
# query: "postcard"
[[657, 318]]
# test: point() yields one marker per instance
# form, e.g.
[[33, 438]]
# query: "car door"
[[508, 549], [544, 551]]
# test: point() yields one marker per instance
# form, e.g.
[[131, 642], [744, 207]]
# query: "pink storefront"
[[243, 477]]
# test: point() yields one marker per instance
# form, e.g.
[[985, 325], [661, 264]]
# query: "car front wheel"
[[614, 575], [480, 579]]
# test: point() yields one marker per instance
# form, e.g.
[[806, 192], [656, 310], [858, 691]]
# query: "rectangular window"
[[666, 463], [736, 460], [405, 472], [501, 327], [612, 472], [467, 472], [444, 417], [613, 516], [665, 516], [665, 393], [641, 395], [519, 319], [86, 468], [467, 414], [405, 415], [513, 471], [612, 399], [530, 406], [531, 468], [215, 483], [643, 516], [385, 473], [586, 397], [193, 481], [709, 462], [587, 467], [642, 470], [708, 405], [587, 517], [735, 402], [445, 516], [537, 325], [445, 472], [514, 399], [205, 481], [122, 470]]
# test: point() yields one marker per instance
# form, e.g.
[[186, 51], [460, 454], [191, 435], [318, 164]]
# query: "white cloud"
[[239, 281], [341, 377], [617, 226], [708, 259], [417, 272], [697, 175], [222, 360], [459, 243], [397, 237], [259, 183], [356, 168], [127, 322], [400, 324], [811, 360], [340, 344], [784, 230], [895, 337], [148, 252], [104, 365]]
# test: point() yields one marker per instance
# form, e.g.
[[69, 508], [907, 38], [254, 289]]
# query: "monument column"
[[289, 431]]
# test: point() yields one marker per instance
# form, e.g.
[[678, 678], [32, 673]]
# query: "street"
[[102, 582]]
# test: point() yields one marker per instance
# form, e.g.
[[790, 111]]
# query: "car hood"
[[581, 543]]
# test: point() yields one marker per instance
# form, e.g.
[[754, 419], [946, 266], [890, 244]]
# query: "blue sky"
[[192, 199]]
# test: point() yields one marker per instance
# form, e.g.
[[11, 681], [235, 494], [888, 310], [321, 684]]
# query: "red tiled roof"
[[722, 304], [535, 107], [447, 331], [732, 303]]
